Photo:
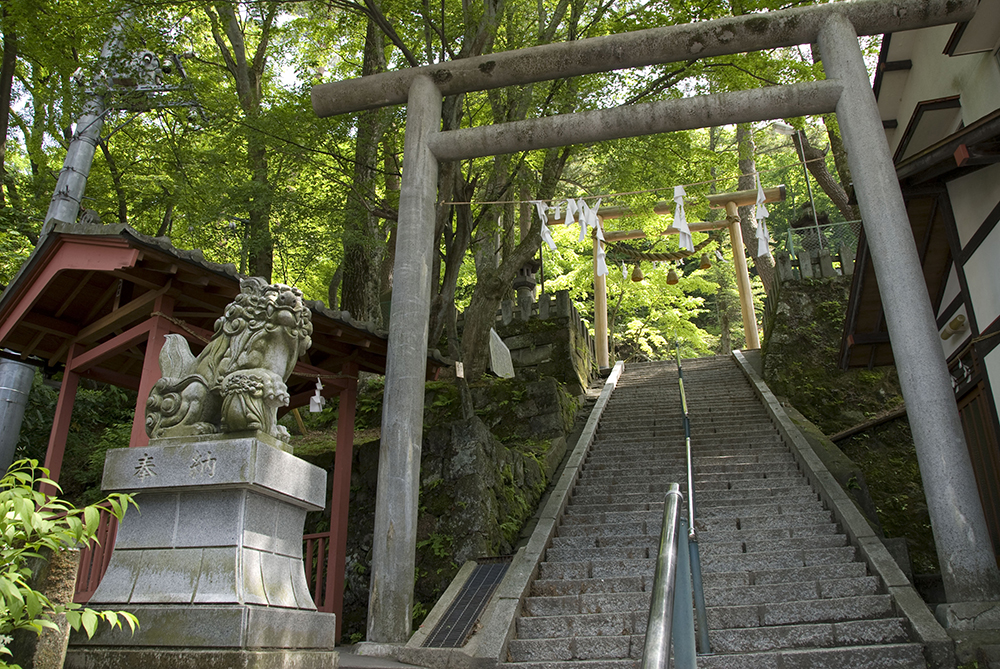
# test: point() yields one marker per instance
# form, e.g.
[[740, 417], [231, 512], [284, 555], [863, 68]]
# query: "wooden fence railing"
[[316, 554], [94, 558]]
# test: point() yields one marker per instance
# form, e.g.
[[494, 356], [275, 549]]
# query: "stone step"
[[807, 557], [805, 611], [711, 560], [759, 489], [533, 651], [790, 591], [558, 587], [746, 640], [713, 443], [620, 623], [761, 515], [889, 656], [598, 602], [773, 453], [789, 474], [636, 528], [850, 633], [598, 568], [573, 664], [652, 541]]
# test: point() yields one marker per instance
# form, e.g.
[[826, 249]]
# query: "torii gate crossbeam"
[[965, 552]]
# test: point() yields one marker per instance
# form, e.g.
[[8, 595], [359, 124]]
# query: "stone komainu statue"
[[237, 382]]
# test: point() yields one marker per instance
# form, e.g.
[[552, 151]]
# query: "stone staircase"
[[783, 586]]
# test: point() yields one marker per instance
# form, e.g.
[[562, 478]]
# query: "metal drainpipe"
[[15, 385]]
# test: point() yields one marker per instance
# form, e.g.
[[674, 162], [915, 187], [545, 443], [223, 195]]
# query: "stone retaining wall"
[[548, 338]]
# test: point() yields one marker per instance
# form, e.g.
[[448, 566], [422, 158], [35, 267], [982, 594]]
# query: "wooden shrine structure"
[[95, 301]]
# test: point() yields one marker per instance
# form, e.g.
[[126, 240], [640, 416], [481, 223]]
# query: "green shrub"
[[34, 523]]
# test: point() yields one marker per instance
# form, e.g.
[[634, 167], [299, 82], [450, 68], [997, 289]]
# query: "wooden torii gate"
[[964, 549], [728, 201]]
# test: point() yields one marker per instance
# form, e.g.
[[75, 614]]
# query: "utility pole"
[[72, 182]]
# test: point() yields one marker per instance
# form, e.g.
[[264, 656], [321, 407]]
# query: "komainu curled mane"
[[237, 382]]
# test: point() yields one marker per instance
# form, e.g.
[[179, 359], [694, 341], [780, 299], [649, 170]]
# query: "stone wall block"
[[544, 306], [159, 514], [198, 527], [546, 425], [288, 532], [260, 522], [277, 580], [520, 341], [120, 577], [253, 580], [167, 576], [563, 304], [532, 356], [526, 409], [217, 579]]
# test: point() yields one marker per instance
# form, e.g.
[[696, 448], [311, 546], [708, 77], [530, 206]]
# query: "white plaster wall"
[[958, 339], [983, 277], [951, 290], [976, 77], [973, 197]]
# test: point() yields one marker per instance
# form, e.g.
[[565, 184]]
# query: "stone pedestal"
[[211, 565], [975, 628]]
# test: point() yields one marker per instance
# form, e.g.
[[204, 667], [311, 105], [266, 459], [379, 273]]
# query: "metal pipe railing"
[[656, 652], [693, 550]]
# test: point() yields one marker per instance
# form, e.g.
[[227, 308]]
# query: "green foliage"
[[34, 524], [102, 419], [800, 363]]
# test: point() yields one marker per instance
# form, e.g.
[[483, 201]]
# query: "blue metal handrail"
[[695, 554], [678, 576], [656, 653]]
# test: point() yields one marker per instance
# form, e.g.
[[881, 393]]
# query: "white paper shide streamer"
[[760, 213], [543, 215], [680, 220], [602, 265], [317, 401]]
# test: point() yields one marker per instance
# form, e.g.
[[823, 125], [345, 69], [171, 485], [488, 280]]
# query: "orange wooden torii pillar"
[[728, 201]]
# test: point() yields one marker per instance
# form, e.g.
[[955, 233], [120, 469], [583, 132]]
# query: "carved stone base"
[[213, 559]]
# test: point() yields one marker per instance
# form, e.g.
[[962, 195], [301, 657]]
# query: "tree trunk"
[[247, 73], [364, 242], [116, 181], [6, 82], [260, 243], [748, 226], [817, 168]]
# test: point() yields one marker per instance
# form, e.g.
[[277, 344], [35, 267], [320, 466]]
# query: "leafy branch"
[[34, 524]]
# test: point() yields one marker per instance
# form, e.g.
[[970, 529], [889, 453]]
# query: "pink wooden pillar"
[[150, 369], [341, 497], [64, 415]]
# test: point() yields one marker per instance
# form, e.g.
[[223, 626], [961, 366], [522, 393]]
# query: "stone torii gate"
[[967, 561]]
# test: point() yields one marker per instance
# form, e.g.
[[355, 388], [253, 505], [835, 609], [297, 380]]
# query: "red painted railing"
[[94, 559], [315, 554]]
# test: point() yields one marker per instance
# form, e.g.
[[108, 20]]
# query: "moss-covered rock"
[[800, 360], [480, 480]]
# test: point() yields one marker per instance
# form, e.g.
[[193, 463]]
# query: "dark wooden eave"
[[95, 286], [865, 341]]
